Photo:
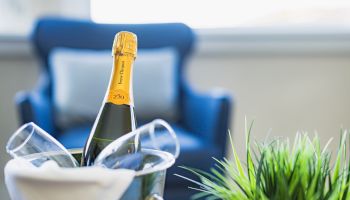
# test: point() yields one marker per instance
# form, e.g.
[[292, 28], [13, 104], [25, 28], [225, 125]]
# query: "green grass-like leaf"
[[276, 170]]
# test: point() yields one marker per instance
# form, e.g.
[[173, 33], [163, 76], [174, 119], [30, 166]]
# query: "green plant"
[[278, 171]]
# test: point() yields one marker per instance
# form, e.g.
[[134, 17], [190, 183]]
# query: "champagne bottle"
[[116, 116]]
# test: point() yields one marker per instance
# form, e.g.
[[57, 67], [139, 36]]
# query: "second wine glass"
[[32, 143]]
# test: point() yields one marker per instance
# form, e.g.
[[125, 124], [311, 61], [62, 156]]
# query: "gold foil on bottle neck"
[[125, 43]]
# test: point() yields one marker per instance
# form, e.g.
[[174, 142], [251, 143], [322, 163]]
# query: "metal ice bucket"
[[159, 149], [148, 183]]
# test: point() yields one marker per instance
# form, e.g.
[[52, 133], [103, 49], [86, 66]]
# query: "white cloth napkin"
[[24, 181]]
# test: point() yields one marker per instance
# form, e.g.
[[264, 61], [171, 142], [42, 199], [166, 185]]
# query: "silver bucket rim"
[[168, 160]]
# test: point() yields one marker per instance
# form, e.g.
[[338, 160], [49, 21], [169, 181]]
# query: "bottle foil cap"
[[125, 43]]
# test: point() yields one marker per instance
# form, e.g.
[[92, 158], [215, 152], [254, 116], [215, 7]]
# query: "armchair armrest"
[[35, 107], [208, 115]]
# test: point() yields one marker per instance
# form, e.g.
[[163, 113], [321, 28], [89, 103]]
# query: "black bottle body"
[[113, 122]]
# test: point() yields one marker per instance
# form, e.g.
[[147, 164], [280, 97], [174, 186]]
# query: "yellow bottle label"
[[119, 90]]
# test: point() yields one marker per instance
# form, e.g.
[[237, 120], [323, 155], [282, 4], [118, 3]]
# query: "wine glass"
[[37, 146], [157, 135]]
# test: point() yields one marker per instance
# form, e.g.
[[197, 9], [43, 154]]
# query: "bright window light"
[[222, 13]]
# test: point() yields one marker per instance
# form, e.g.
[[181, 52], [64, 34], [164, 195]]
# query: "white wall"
[[287, 82], [16, 73]]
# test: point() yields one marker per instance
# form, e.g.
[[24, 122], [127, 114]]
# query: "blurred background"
[[285, 63]]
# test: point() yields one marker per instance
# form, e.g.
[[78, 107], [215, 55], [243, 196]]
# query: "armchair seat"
[[76, 137]]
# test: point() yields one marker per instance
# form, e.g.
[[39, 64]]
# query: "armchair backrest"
[[52, 33]]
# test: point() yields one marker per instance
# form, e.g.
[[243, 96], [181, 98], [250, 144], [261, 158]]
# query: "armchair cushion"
[[80, 79]]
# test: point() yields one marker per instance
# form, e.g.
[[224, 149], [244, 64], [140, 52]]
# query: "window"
[[17, 16], [223, 13]]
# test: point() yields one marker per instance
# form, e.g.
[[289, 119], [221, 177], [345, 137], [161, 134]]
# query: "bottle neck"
[[120, 85]]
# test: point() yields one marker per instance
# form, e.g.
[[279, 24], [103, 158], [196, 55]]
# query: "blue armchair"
[[203, 119]]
